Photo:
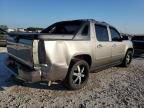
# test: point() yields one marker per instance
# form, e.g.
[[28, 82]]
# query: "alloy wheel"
[[79, 74]]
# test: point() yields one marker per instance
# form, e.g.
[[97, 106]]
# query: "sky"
[[126, 15]]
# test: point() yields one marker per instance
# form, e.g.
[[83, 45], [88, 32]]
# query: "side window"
[[85, 31], [101, 33], [114, 34]]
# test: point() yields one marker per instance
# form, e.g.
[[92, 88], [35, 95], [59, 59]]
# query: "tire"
[[78, 75], [128, 58]]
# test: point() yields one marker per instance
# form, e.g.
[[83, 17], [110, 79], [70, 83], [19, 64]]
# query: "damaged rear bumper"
[[40, 72]]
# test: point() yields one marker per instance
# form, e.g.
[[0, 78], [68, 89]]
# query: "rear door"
[[103, 46], [118, 46]]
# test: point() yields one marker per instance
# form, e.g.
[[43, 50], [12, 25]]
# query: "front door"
[[118, 46]]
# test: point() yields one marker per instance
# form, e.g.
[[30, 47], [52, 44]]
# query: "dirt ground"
[[115, 87]]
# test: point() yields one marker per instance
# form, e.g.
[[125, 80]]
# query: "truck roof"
[[89, 20]]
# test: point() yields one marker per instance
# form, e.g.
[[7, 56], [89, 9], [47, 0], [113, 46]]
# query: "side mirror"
[[122, 38], [125, 38], [117, 39]]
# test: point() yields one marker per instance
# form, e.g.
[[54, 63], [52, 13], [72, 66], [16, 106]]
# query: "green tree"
[[4, 27]]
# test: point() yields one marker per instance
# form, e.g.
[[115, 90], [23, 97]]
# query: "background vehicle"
[[67, 51], [3, 35], [138, 43]]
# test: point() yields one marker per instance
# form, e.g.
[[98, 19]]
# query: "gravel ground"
[[112, 88]]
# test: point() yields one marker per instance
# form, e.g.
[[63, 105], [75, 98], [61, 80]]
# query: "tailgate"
[[20, 47]]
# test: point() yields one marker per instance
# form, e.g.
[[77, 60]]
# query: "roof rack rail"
[[105, 22]]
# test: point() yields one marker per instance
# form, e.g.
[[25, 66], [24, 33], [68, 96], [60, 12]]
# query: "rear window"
[[101, 33], [66, 27]]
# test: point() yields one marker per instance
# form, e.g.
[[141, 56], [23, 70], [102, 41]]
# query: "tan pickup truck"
[[67, 51]]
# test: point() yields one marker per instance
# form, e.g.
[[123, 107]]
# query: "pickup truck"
[[67, 51]]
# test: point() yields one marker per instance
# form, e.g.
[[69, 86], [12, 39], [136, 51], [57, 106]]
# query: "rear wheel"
[[78, 75], [128, 58]]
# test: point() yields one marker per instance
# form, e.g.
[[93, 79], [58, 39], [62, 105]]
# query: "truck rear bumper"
[[42, 73], [23, 72]]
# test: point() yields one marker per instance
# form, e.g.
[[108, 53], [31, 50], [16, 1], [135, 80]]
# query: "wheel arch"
[[85, 57], [129, 49]]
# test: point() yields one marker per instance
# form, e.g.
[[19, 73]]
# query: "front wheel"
[[128, 58], [78, 75]]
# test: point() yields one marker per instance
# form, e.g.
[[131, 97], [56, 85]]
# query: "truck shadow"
[[37, 85], [4, 74], [12, 81]]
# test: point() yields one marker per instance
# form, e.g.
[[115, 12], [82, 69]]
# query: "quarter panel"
[[59, 54]]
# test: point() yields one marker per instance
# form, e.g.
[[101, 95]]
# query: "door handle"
[[99, 46]]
